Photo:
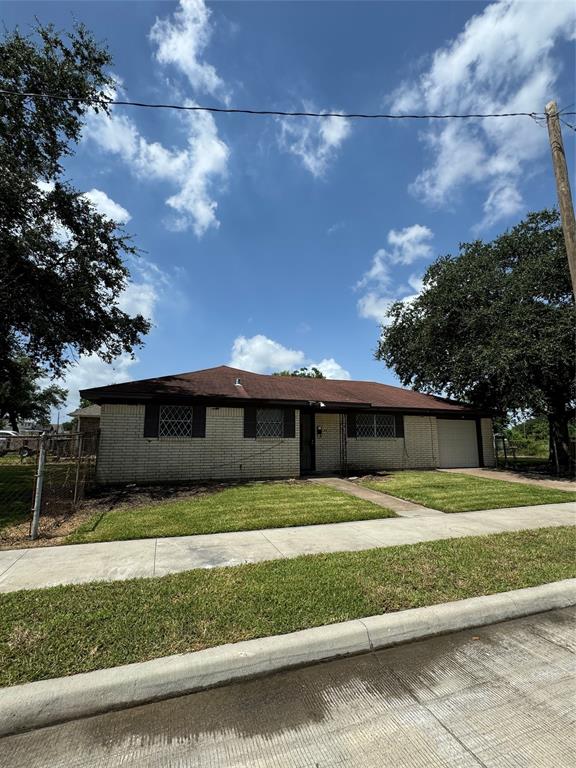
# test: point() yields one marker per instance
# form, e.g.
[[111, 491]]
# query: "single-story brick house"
[[226, 423]]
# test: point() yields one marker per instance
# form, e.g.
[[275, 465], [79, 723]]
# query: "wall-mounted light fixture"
[[319, 430]]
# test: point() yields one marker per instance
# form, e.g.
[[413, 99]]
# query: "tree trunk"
[[13, 421], [560, 441]]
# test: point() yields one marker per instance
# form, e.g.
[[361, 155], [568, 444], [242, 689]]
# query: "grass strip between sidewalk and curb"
[[247, 507], [69, 629], [453, 492]]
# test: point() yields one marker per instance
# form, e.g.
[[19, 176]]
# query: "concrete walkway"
[[117, 560], [517, 477], [401, 507]]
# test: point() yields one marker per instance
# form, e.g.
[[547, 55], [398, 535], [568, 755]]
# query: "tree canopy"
[[494, 327], [307, 373], [62, 267], [23, 397]]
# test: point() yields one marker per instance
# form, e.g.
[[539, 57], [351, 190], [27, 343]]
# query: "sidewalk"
[[118, 560]]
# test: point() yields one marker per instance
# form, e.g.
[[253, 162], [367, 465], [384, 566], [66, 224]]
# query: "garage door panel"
[[457, 443]]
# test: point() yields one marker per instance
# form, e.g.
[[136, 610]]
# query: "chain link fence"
[[44, 476]]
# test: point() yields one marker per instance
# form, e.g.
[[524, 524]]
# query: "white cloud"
[[406, 246], [197, 168], [89, 372], [139, 299], [372, 306], [181, 41], [147, 287], [263, 355], [314, 140], [106, 206], [193, 169], [335, 228], [501, 62], [331, 369], [410, 243]]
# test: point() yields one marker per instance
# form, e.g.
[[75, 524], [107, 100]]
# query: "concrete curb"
[[46, 702]]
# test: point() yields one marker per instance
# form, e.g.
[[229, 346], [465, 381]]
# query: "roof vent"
[[237, 383]]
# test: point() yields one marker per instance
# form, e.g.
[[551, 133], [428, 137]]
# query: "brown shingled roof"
[[220, 384]]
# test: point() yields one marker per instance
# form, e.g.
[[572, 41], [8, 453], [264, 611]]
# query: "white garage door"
[[457, 443]]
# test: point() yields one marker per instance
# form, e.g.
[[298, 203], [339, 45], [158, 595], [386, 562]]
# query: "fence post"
[[78, 460], [38, 489]]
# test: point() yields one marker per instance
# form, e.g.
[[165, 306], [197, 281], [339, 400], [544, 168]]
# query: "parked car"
[[5, 435], [14, 442]]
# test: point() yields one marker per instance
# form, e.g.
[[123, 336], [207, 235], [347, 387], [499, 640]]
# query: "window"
[[375, 425], [176, 421], [269, 422]]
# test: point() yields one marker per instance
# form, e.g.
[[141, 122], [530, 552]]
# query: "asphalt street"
[[499, 697]]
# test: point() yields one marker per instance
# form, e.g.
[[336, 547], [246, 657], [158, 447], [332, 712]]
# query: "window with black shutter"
[[269, 422], [174, 421], [375, 425]]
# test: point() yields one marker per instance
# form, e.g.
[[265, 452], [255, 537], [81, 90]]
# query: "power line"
[[276, 113], [568, 125]]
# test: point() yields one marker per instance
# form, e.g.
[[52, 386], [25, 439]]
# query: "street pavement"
[[498, 697], [117, 560]]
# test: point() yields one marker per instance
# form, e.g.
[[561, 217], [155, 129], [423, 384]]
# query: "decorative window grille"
[[269, 422], [375, 425], [175, 421]]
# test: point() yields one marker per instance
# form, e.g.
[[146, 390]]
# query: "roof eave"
[[101, 396]]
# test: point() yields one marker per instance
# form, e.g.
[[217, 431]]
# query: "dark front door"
[[307, 443]]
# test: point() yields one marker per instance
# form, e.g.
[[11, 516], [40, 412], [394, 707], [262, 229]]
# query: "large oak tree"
[[62, 264], [494, 327]]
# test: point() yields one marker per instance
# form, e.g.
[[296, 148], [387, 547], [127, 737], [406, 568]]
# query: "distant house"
[[226, 423], [86, 419]]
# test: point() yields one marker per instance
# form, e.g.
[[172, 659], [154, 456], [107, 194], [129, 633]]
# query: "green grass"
[[16, 485], [453, 492], [240, 508], [69, 629]]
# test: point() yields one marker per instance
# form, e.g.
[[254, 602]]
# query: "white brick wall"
[[419, 448], [126, 456], [488, 443]]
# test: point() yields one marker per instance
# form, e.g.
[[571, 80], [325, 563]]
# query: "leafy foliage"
[[494, 326], [61, 262], [22, 396], [307, 373]]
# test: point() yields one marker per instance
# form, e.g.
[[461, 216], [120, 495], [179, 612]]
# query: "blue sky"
[[272, 244]]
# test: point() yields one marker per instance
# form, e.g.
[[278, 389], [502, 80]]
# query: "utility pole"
[[562, 187]]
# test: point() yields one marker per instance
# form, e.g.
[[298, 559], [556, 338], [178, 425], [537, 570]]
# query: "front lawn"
[[16, 486], [453, 492], [240, 508], [69, 629]]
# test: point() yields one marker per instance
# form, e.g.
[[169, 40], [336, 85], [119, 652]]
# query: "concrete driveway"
[[118, 560], [497, 697]]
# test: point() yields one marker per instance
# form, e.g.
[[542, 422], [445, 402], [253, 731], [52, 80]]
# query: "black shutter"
[[151, 420], [289, 423], [399, 425], [351, 421], [249, 422], [199, 421]]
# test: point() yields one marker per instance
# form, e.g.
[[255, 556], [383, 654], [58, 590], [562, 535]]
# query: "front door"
[[307, 443]]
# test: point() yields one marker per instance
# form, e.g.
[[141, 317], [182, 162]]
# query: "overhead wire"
[[104, 102]]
